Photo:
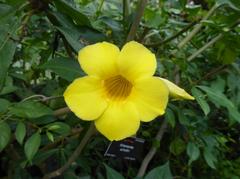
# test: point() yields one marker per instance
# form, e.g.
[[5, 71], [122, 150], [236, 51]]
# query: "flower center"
[[117, 87]]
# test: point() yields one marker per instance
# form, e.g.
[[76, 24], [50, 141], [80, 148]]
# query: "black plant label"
[[130, 149]]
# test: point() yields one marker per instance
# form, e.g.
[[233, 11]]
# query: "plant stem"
[[152, 151], [99, 8], [212, 73], [172, 37], [42, 97], [74, 133], [214, 40], [140, 10], [61, 111], [126, 10], [199, 51], [197, 27], [75, 154]]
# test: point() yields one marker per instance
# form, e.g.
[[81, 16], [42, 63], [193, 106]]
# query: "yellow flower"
[[120, 89]]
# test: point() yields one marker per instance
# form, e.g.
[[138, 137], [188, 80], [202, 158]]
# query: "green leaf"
[[20, 132], [199, 96], [77, 16], [59, 127], [153, 18], [193, 152], [177, 146], [112, 174], [32, 145], [5, 135], [161, 172], [43, 155], [217, 97], [8, 86], [50, 136], [72, 37], [4, 8], [209, 158], [234, 114], [170, 117], [182, 117], [7, 51], [230, 3], [43, 120], [4, 104], [220, 99], [66, 68], [218, 85], [8, 27], [30, 109]]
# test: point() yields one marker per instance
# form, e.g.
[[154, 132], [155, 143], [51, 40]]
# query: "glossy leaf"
[[229, 3], [20, 132], [220, 98], [66, 8], [160, 172], [59, 127], [177, 146], [170, 117], [30, 109], [66, 68], [209, 158], [5, 135], [112, 174], [71, 37], [50, 136], [7, 50], [4, 104], [32, 145], [199, 96], [193, 152]]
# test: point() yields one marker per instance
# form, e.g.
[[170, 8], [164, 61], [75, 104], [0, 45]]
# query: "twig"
[[42, 97], [140, 10], [99, 8], [69, 50], [211, 73], [74, 133], [214, 40], [199, 51], [61, 111], [172, 37], [152, 151], [197, 28], [126, 10], [34, 96], [144, 33], [75, 154]]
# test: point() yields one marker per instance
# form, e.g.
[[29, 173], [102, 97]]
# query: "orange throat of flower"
[[117, 88]]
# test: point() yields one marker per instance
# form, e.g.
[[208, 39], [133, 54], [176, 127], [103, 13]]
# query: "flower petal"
[[177, 92], [120, 120], [84, 97], [150, 96], [99, 59], [136, 61]]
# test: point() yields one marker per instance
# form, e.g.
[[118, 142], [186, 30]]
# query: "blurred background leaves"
[[39, 41]]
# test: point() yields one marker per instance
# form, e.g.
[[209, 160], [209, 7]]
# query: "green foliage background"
[[39, 41]]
